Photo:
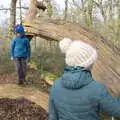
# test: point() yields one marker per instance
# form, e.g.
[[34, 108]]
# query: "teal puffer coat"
[[76, 96]]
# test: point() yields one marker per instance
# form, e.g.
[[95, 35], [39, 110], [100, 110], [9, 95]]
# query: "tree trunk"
[[32, 12], [66, 10], [82, 2], [118, 9], [20, 11], [12, 13], [110, 2], [106, 69], [83, 10], [49, 8], [100, 6], [89, 13]]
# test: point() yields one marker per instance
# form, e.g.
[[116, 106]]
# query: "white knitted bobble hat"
[[78, 53]]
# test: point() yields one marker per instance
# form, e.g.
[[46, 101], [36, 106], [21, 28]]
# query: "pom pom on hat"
[[65, 44], [78, 53]]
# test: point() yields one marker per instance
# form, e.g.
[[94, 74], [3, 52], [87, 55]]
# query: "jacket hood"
[[76, 77]]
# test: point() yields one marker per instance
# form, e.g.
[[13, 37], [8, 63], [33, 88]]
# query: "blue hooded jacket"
[[76, 96], [20, 47]]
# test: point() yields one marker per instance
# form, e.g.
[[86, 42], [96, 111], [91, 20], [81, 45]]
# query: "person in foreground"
[[20, 52], [75, 95]]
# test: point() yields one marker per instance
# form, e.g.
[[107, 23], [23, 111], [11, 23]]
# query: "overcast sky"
[[6, 3]]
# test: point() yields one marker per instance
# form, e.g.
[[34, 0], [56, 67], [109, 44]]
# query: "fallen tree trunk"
[[107, 67]]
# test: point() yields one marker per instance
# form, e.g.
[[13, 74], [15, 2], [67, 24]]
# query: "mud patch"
[[21, 109]]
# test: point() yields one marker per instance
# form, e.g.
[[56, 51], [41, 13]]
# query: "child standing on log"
[[76, 95], [20, 52]]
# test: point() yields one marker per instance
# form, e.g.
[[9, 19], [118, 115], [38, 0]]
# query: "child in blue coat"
[[76, 95], [20, 52]]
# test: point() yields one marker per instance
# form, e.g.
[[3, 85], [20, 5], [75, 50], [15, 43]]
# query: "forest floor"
[[21, 102], [21, 109], [9, 88], [31, 97]]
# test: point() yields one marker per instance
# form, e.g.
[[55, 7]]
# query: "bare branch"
[[26, 8]]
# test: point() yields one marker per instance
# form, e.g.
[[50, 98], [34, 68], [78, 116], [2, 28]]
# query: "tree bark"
[[118, 9], [20, 11], [49, 8], [66, 10], [100, 6], [107, 67], [12, 13], [32, 11], [89, 13], [110, 3]]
